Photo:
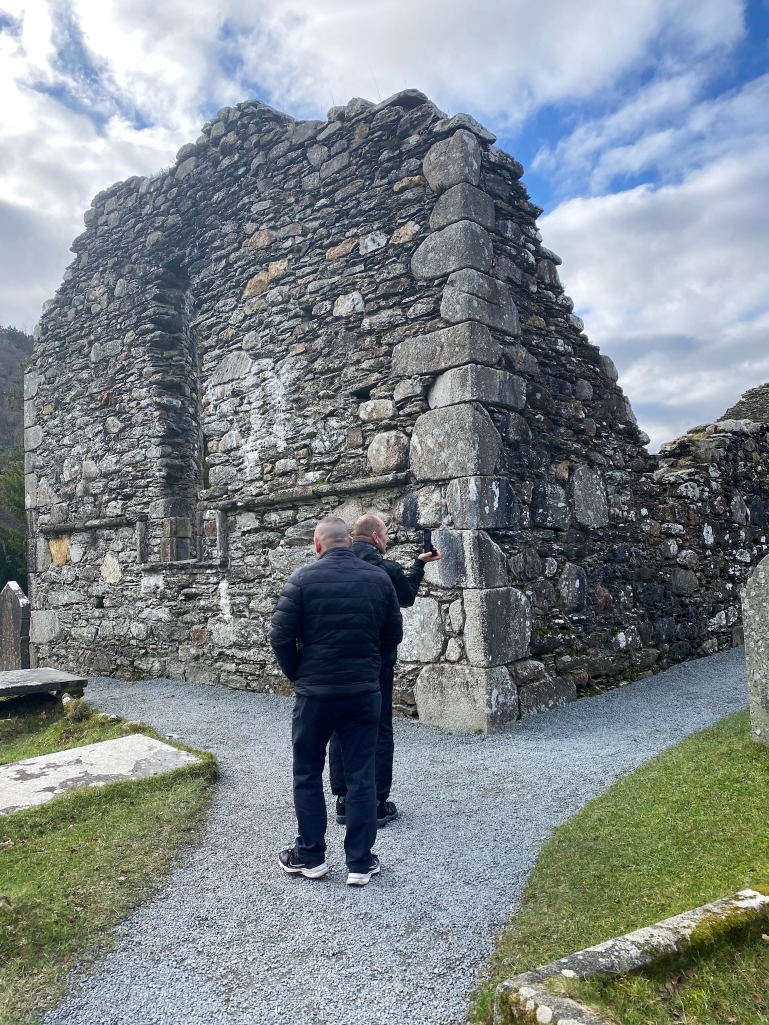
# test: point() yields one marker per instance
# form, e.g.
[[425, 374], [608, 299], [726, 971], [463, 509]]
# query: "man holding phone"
[[370, 544]]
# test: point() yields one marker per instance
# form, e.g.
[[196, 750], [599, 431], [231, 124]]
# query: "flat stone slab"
[[34, 681], [35, 781]]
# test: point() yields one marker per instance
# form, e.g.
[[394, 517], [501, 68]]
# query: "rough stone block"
[[455, 160], [550, 507], [457, 441], [572, 588], [684, 582], [463, 244], [589, 493], [755, 619], [44, 626], [14, 628], [388, 452], [469, 558], [476, 383], [463, 203], [423, 634], [455, 346], [546, 694], [465, 697], [497, 626], [482, 503], [470, 295], [448, 125]]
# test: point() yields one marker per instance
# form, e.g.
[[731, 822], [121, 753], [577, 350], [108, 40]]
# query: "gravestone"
[[755, 618], [14, 628], [37, 780]]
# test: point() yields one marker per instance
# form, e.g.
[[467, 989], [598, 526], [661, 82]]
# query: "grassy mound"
[[73, 868], [687, 828]]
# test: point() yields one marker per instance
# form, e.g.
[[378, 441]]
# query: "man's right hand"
[[430, 556]]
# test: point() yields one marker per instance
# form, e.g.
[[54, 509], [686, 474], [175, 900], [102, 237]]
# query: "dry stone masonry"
[[305, 317]]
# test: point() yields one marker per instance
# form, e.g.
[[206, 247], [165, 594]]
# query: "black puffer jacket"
[[336, 620], [405, 581]]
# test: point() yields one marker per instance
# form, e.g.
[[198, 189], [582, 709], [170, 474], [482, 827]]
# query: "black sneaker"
[[341, 811], [294, 866], [385, 812], [364, 878]]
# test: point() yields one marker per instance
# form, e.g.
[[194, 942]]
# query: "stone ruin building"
[[305, 317]]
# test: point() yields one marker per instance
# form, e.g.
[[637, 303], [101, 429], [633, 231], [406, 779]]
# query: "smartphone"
[[427, 542]]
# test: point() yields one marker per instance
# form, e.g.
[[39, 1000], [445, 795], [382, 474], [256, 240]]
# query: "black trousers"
[[385, 746], [356, 721]]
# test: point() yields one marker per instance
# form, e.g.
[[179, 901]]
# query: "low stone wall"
[[525, 998], [359, 315]]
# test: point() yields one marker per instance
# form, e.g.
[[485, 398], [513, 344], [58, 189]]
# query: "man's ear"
[[349, 542], [318, 547]]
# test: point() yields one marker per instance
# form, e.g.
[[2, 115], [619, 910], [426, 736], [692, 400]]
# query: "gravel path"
[[231, 940]]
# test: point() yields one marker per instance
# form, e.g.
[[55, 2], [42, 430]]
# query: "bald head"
[[331, 532], [371, 528]]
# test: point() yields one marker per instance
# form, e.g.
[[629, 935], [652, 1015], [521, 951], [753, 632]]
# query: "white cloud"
[[673, 283]]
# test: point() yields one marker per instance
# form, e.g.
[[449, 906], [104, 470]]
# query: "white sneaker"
[[292, 866], [364, 878]]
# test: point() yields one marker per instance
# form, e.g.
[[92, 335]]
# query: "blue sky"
[[641, 124]]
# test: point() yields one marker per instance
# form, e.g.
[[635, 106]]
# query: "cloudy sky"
[[642, 125]]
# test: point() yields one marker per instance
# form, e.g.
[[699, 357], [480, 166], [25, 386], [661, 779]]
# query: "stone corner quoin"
[[306, 317]]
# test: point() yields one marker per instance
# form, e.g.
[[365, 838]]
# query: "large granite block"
[[466, 697], [482, 503], [463, 244], [475, 383], [497, 626], [755, 620], [470, 295], [469, 558], [457, 441], [463, 203], [454, 160], [454, 346]]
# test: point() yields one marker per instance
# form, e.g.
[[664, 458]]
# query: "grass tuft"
[[684, 829]]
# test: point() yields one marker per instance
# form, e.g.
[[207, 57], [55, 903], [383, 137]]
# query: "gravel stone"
[[230, 939]]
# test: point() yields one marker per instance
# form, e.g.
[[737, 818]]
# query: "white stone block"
[[458, 697]]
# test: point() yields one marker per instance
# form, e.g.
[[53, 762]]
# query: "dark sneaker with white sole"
[[296, 867], [364, 878], [341, 811], [385, 812]]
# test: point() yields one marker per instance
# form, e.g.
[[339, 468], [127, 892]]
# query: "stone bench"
[[18, 682]]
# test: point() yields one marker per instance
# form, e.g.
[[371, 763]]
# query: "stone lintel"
[[454, 697]]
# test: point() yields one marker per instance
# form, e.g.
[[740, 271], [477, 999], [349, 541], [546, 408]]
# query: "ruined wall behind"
[[357, 314]]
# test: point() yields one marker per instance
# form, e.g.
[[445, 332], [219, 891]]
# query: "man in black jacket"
[[336, 621], [370, 544]]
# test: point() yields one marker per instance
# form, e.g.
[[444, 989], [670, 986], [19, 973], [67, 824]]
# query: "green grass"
[[686, 828], [73, 868]]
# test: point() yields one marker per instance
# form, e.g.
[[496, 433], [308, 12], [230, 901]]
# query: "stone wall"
[[358, 314]]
